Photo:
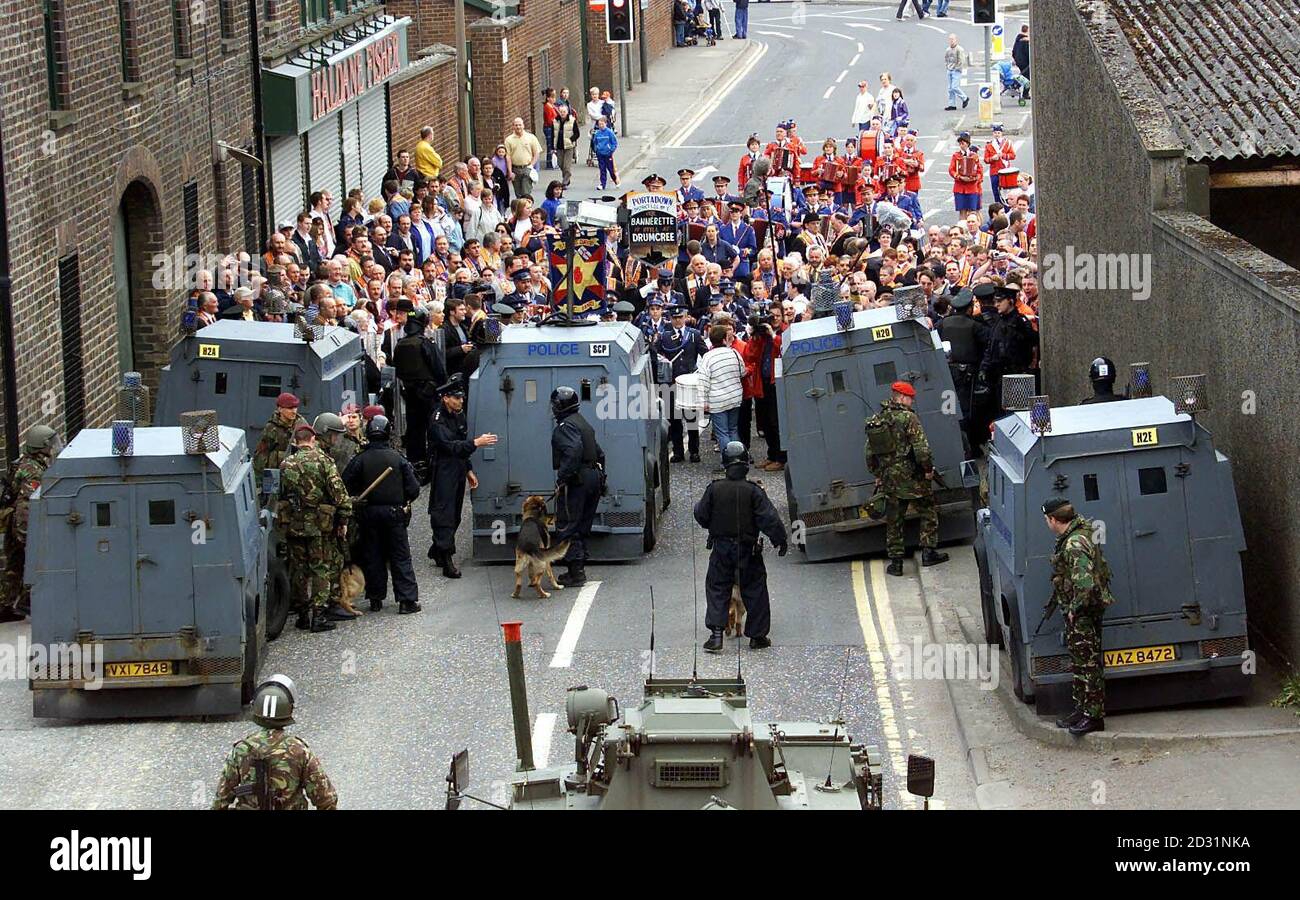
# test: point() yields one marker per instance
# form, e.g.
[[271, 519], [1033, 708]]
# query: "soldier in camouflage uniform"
[[22, 480], [356, 432], [315, 507], [292, 775], [331, 433], [1081, 589], [277, 435], [899, 457]]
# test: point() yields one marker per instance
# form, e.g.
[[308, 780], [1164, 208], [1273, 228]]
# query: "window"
[[182, 47], [1152, 481], [530, 391], [226, 10], [885, 372], [103, 515], [1090, 492], [74, 378], [268, 386], [314, 12], [190, 203], [251, 203], [162, 512], [221, 382], [56, 54], [837, 382], [129, 37]]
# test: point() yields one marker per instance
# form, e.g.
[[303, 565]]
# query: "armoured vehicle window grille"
[[162, 512], [74, 379], [268, 386], [885, 372], [103, 515], [708, 773], [221, 382], [837, 382], [585, 389], [530, 391], [1152, 481], [1090, 493]]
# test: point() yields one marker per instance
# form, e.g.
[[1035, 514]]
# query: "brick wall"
[[425, 95], [64, 184]]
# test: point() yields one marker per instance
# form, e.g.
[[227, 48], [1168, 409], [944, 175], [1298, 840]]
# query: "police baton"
[[374, 484]]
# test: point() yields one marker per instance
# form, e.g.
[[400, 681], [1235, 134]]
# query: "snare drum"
[[1009, 179], [687, 391], [867, 145]]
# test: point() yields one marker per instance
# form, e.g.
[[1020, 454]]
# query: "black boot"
[[405, 608], [434, 554], [11, 615], [304, 620], [575, 577], [449, 569], [336, 613], [932, 557], [320, 622], [760, 643], [376, 605], [714, 643], [895, 566], [1087, 724], [1071, 720]]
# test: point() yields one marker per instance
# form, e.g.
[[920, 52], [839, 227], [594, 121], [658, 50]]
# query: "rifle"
[[1047, 614], [260, 788]]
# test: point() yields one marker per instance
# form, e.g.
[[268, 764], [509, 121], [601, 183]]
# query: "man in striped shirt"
[[722, 371]]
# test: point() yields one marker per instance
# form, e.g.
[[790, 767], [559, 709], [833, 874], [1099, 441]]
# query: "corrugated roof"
[[1228, 71]]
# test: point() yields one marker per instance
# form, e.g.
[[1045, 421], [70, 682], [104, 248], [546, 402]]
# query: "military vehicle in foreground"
[[690, 744], [1165, 516], [147, 561], [510, 396], [833, 374]]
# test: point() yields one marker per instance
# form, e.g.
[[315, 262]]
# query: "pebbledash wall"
[[1112, 178]]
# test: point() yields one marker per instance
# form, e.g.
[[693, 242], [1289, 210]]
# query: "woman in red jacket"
[[761, 353]]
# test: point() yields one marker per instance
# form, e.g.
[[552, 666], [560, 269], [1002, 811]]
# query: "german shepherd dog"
[[736, 613], [353, 588], [533, 551]]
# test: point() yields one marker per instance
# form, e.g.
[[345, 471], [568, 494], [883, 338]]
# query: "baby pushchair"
[[699, 27], [1013, 82]]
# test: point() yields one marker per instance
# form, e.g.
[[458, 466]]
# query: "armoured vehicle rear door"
[[227, 382], [1097, 486], [841, 412], [163, 563], [271, 382], [1162, 570], [532, 388], [104, 547]]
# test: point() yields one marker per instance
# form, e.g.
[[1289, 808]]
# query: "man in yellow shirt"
[[427, 160], [524, 150]]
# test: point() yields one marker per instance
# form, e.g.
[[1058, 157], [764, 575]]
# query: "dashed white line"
[[938, 148], [860, 47], [841, 78], [563, 657], [926, 170], [543, 729], [830, 90], [1017, 145], [772, 33], [857, 56], [838, 35], [934, 28], [864, 25]]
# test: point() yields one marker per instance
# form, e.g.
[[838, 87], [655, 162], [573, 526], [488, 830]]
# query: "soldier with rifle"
[[269, 769]]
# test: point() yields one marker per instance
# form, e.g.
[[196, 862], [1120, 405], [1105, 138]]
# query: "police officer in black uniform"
[[682, 346], [967, 338], [421, 369], [736, 510], [1012, 343], [383, 517], [579, 465], [450, 449], [1102, 375]]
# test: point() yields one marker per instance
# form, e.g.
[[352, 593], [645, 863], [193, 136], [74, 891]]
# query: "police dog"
[[353, 587], [736, 613], [533, 551]]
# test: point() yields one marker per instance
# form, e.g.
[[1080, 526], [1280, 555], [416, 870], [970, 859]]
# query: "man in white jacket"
[[864, 107], [722, 371]]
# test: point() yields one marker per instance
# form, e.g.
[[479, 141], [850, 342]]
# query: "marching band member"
[[741, 236], [688, 191], [998, 153], [967, 175], [722, 195], [912, 159], [784, 155], [747, 161]]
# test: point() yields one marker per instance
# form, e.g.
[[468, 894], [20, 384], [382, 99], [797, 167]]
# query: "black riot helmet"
[[564, 401], [379, 429], [1102, 371], [735, 454]]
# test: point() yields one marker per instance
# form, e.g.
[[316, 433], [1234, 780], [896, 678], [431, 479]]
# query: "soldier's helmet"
[[735, 454], [40, 437], [328, 422], [378, 429], [1102, 370], [273, 702], [564, 400]]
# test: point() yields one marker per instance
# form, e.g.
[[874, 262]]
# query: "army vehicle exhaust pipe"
[[518, 695]]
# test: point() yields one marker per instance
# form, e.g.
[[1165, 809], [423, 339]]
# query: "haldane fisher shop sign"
[[322, 79]]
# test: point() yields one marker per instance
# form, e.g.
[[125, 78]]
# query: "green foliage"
[[1290, 693]]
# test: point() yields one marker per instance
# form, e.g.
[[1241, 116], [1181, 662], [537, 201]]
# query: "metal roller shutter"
[[287, 195], [352, 137], [324, 163], [373, 109]]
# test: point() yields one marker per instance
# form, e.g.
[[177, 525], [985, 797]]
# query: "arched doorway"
[[143, 339]]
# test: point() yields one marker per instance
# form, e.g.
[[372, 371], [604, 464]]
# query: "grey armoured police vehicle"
[[509, 395], [691, 743], [834, 372], [1165, 516], [148, 554], [238, 369]]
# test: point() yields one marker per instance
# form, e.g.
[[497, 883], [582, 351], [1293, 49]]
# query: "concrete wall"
[[1112, 178]]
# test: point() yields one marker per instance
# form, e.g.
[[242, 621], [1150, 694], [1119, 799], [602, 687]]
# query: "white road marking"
[[860, 47], [543, 729], [709, 146], [864, 25], [1017, 145], [930, 213], [772, 33], [878, 665], [711, 106], [563, 657], [926, 170], [934, 28], [938, 148], [841, 78], [830, 90], [857, 56], [700, 174], [838, 35]]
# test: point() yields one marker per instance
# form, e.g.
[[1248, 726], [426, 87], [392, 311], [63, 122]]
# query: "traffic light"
[[619, 27], [984, 12]]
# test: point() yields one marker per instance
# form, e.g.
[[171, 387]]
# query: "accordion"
[[884, 170], [782, 160], [968, 166]]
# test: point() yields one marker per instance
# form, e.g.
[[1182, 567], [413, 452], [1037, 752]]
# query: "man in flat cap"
[[1081, 590], [898, 455]]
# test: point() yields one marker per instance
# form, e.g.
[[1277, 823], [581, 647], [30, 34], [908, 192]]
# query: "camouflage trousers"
[[1083, 640], [896, 509], [13, 593], [313, 572]]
